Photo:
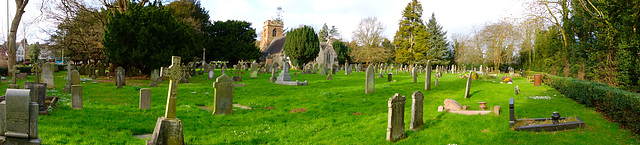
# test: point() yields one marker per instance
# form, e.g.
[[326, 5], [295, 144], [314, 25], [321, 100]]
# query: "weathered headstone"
[[19, 121], [427, 78], [254, 71], [168, 129], [224, 68], [452, 105], [416, 111], [120, 75], [414, 75], [223, 95], [75, 77], [155, 74], [466, 92], [38, 93], [76, 97], [101, 69], [145, 98], [380, 74], [212, 73], [370, 80], [48, 76], [395, 123]]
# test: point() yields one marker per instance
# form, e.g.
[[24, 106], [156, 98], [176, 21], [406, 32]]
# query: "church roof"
[[276, 45]]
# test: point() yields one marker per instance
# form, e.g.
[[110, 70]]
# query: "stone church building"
[[272, 44]]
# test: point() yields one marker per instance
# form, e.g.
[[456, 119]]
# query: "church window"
[[273, 34]]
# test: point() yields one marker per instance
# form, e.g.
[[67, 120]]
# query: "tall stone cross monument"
[[36, 69], [169, 128], [14, 72]]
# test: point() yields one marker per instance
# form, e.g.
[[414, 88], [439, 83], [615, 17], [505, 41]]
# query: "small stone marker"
[[38, 93], [395, 122], [76, 96], [416, 111], [212, 73], [389, 77], [466, 93], [427, 78], [145, 98], [19, 121], [223, 95], [237, 79], [370, 80], [452, 105], [48, 76]]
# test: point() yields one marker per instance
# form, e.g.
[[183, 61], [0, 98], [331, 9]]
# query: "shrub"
[[4, 71], [24, 69], [621, 106]]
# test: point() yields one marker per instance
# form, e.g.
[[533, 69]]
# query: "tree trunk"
[[20, 5]]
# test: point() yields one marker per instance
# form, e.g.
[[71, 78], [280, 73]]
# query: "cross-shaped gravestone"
[[13, 73], [36, 69], [174, 73]]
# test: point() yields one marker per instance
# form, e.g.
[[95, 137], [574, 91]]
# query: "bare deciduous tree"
[[369, 32]]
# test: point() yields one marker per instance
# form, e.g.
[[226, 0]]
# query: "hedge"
[[621, 106]]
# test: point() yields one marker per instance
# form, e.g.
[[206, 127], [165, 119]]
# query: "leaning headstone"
[[452, 105], [370, 80], [76, 97], [466, 93], [427, 78], [38, 93], [145, 98], [168, 129], [75, 77], [395, 123], [48, 76], [19, 121], [416, 111], [223, 95]]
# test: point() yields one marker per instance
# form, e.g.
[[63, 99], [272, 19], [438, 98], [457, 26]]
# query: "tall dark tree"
[[302, 45], [232, 40], [342, 50], [408, 34], [438, 52], [197, 17], [146, 37]]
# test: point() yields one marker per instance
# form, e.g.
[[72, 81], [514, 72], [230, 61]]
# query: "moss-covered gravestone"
[[223, 95], [395, 122]]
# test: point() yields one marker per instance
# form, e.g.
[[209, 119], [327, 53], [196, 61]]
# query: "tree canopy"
[[410, 32], [146, 37], [302, 45], [232, 40]]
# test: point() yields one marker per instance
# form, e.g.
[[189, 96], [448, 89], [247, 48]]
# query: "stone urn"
[[483, 105], [555, 117]]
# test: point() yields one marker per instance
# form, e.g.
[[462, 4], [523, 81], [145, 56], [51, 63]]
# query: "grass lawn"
[[338, 112]]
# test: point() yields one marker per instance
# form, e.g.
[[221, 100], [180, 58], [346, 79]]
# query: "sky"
[[455, 16]]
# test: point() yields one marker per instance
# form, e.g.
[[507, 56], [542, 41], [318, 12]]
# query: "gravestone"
[[19, 121], [48, 76], [329, 77], [120, 73], [211, 73], [101, 69], [436, 84], [154, 78], [254, 71], [145, 98], [14, 77], [466, 92], [36, 70], [427, 78], [370, 80], [223, 95], [380, 74], [224, 68], [168, 129], [237, 78], [416, 111], [452, 105], [414, 75], [395, 123], [38, 93], [389, 77], [76, 97], [274, 69], [75, 77]]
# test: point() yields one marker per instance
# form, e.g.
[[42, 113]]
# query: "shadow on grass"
[[426, 124], [474, 92]]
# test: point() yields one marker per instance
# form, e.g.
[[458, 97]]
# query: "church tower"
[[270, 30]]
